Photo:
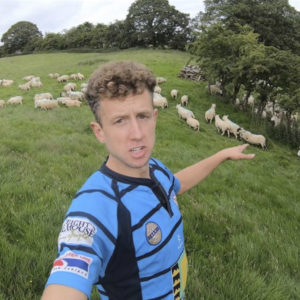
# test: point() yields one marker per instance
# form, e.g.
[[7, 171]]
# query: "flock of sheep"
[[69, 96], [223, 125]]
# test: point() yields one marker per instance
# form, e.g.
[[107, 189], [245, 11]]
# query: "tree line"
[[149, 23]]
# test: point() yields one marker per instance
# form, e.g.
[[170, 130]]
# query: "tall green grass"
[[241, 224]]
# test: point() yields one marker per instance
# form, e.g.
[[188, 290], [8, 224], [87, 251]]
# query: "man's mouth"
[[136, 149]]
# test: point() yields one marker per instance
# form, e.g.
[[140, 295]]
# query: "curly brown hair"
[[116, 80]]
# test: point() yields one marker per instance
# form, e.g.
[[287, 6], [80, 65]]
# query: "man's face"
[[128, 131]]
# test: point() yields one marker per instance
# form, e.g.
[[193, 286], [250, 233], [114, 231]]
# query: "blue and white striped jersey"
[[124, 235]]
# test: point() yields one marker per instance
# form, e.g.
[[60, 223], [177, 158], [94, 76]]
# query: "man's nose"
[[135, 129]]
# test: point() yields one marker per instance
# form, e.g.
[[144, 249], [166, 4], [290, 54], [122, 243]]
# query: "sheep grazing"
[[254, 139], [54, 75], [233, 128], [157, 89], [63, 100], [71, 86], [46, 104], [15, 100], [184, 100], [210, 114], [71, 102], [2, 103], [214, 89], [75, 95], [29, 77], [174, 93], [43, 96], [276, 119], [193, 123], [159, 101], [77, 76], [184, 113], [298, 152], [6, 82], [35, 82], [250, 100], [25, 87], [63, 78], [221, 125], [160, 80]]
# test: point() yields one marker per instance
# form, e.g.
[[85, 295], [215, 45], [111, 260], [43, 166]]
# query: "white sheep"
[[7, 82], [54, 75], [184, 100], [15, 100], [43, 96], [35, 82], [174, 93], [255, 139], [194, 123], [184, 113], [63, 78], [80, 76], [251, 100], [2, 103], [71, 102], [46, 104], [233, 127], [77, 76], [157, 89], [25, 87], [159, 101], [29, 77], [63, 100], [221, 125], [160, 80], [276, 119], [298, 152], [210, 114], [71, 86], [215, 89], [75, 95]]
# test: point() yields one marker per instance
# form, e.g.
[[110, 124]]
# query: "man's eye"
[[143, 116], [119, 121]]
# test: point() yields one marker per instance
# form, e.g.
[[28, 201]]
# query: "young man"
[[123, 231]]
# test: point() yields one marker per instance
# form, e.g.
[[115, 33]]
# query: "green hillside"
[[241, 224]]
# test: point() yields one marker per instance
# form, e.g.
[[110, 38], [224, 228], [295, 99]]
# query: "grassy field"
[[241, 224]]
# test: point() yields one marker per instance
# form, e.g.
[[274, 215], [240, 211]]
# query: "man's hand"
[[235, 153]]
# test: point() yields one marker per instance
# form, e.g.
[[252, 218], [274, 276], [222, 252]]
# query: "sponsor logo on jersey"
[[153, 233], [77, 231], [72, 263]]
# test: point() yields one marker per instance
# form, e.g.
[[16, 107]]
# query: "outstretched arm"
[[192, 175], [57, 292]]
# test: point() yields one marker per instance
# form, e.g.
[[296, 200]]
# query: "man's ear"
[[98, 132], [155, 113]]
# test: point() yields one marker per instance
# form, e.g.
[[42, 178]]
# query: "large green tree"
[[157, 23], [22, 36], [276, 22]]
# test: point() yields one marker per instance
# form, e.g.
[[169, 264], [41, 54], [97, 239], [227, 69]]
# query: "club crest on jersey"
[[153, 233]]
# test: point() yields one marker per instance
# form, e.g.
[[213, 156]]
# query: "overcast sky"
[[57, 15]]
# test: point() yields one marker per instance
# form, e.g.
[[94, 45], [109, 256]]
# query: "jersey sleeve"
[[85, 243]]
